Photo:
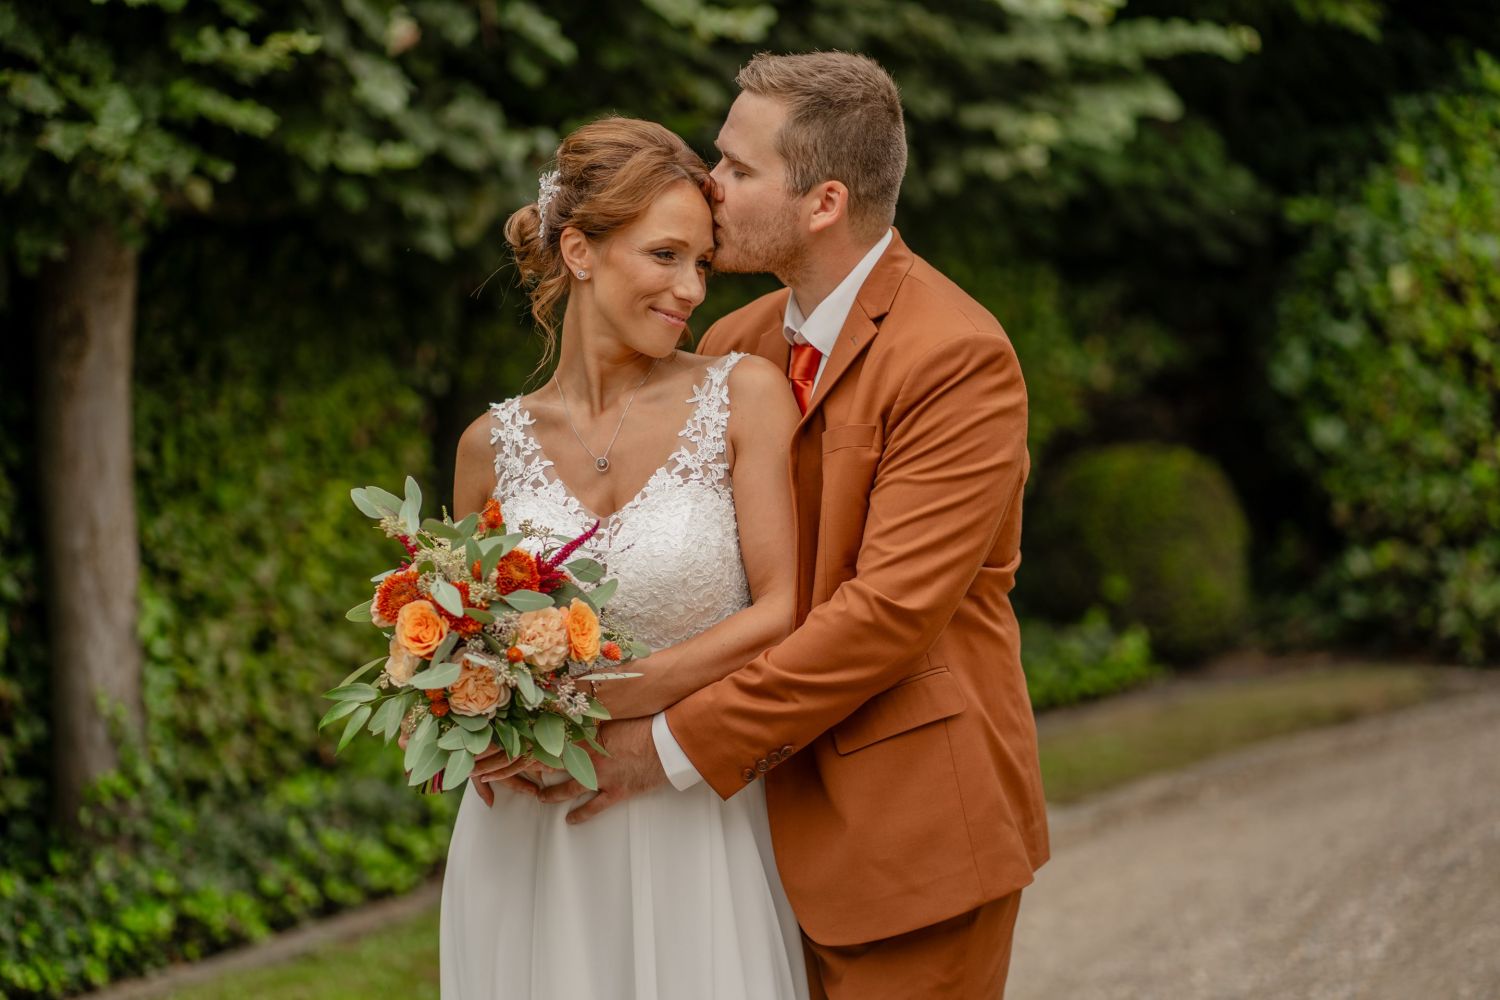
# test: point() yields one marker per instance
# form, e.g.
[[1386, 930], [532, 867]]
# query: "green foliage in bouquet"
[[1152, 532], [531, 706], [1388, 356]]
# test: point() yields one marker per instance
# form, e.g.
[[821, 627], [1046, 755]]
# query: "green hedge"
[[1152, 532], [1388, 356], [266, 387], [1066, 664]]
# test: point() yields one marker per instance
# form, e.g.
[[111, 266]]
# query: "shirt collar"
[[822, 328]]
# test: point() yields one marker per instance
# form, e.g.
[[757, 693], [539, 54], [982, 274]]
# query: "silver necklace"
[[601, 462]]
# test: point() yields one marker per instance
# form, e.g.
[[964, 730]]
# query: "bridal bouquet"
[[486, 643]]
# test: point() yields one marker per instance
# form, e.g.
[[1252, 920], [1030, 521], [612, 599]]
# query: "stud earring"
[[583, 274]]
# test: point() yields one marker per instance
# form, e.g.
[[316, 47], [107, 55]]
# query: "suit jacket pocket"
[[928, 697], [850, 436]]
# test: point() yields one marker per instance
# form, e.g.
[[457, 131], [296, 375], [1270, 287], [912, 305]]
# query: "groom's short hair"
[[843, 123]]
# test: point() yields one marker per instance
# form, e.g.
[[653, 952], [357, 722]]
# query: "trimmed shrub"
[[1152, 532], [1388, 355], [1066, 664]]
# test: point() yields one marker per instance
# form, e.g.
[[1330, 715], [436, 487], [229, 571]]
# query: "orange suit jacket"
[[893, 726]]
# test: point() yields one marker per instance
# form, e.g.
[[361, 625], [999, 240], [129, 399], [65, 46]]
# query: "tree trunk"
[[85, 330]]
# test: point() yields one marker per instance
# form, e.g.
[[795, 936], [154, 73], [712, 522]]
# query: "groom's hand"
[[493, 767], [631, 768]]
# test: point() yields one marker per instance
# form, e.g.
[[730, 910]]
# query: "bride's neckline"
[[526, 422]]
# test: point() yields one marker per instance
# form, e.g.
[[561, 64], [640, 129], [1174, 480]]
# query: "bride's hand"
[[494, 767], [631, 697]]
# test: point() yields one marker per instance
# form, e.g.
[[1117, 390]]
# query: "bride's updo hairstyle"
[[608, 173]]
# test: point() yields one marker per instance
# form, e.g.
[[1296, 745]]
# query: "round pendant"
[[602, 464]]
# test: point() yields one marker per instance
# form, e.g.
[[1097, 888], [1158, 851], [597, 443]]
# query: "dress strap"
[[702, 458]]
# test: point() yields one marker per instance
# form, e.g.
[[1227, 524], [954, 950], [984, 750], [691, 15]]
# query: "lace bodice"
[[674, 547]]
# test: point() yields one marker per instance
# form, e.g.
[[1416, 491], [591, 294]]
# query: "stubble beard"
[[769, 246]]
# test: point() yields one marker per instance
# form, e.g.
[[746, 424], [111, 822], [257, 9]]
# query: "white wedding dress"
[[670, 895]]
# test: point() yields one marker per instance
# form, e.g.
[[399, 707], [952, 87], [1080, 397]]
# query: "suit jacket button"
[[748, 774], [762, 765], [774, 757], [786, 751]]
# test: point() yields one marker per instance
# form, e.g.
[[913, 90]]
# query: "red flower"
[[612, 651], [438, 708], [394, 593], [464, 626], [491, 517], [517, 571]]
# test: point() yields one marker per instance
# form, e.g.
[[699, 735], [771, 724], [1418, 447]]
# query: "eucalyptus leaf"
[[472, 554], [607, 676], [585, 569], [472, 723], [452, 739], [384, 498], [601, 594], [337, 712], [576, 759], [378, 577], [408, 514], [637, 650], [425, 735], [458, 768], [504, 543], [445, 647], [509, 739], [596, 710], [361, 671], [366, 506], [479, 615], [360, 612], [527, 600], [439, 675], [564, 594], [477, 741], [427, 763], [551, 760], [355, 722], [465, 528], [492, 643], [353, 692], [403, 702], [413, 492], [448, 598], [591, 741], [551, 733], [531, 695], [435, 527], [387, 717]]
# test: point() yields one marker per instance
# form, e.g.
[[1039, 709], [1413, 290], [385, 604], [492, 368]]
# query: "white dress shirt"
[[821, 330]]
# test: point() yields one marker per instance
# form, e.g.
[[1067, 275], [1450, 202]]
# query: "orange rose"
[[477, 690], [420, 628], [583, 631]]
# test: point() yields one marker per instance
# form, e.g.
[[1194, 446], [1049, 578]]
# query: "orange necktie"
[[802, 371]]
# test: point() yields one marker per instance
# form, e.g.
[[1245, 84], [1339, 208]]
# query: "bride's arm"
[[762, 417]]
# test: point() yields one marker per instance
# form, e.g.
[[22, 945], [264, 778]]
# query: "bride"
[[683, 461]]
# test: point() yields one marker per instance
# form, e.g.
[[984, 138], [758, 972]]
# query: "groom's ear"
[[830, 207]]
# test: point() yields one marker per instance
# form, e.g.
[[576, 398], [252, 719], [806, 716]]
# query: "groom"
[[892, 728]]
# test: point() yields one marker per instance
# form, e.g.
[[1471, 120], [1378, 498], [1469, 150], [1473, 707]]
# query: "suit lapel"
[[863, 323]]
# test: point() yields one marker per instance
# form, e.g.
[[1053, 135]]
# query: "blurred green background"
[[1248, 252]]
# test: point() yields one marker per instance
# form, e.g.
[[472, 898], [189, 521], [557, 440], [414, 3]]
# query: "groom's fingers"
[[501, 767], [485, 791], [595, 806], [565, 792]]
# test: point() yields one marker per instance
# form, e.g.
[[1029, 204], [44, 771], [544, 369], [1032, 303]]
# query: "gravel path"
[[1361, 861]]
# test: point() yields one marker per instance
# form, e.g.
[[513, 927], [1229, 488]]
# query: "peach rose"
[[403, 664], [420, 628], [543, 637], [583, 631], [477, 690]]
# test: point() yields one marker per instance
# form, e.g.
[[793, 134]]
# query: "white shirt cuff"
[[680, 771]]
